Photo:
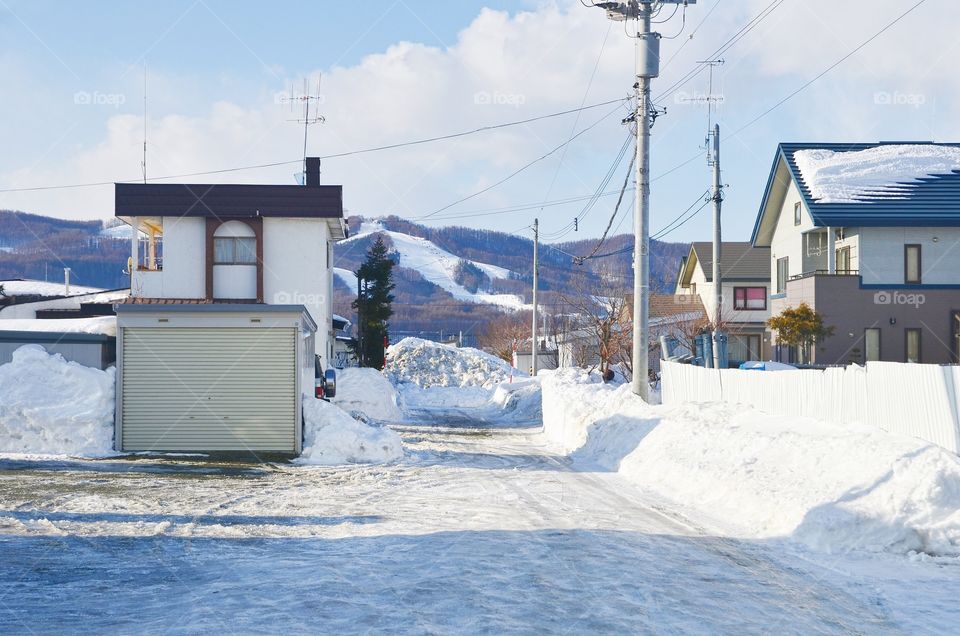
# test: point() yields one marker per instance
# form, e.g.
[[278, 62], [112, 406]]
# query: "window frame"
[[235, 250], [906, 263], [906, 344], [745, 306], [797, 214], [782, 289]]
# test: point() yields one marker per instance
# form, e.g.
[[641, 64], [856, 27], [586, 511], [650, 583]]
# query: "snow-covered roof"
[[886, 172], [26, 287], [885, 184], [102, 325]]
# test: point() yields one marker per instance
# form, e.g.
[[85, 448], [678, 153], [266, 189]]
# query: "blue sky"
[[397, 71]]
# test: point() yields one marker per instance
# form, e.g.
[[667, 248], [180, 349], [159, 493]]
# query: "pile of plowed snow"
[[428, 364], [49, 406], [832, 487], [367, 391], [332, 437]]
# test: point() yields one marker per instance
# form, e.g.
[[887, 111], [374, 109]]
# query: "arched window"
[[234, 243]]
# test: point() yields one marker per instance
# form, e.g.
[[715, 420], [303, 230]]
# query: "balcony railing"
[[825, 272]]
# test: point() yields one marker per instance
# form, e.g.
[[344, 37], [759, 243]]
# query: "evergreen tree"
[[374, 305]]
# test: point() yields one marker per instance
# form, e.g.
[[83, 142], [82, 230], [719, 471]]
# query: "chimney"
[[312, 171]]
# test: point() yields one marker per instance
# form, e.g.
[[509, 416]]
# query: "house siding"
[[788, 238], [881, 260]]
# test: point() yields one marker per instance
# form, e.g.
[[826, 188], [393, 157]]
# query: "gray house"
[[867, 235]]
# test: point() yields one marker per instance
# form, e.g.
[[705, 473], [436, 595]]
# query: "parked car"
[[324, 382]]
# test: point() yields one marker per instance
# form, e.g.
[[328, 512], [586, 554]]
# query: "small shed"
[[212, 376], [89, 349]]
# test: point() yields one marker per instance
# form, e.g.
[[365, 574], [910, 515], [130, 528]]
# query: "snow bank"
[[429, 364], [51, 406], [42, 288], [367, 391], [332, 437], [845, 177], [832, 487]]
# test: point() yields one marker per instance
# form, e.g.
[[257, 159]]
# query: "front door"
[[955, 336]]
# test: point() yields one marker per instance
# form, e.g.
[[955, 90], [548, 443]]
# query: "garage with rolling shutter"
[[210, 377]]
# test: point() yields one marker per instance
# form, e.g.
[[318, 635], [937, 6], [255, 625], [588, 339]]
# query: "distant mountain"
[[449, 279], [39, 247], [455, 278]]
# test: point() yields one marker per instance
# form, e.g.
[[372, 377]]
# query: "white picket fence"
[[920, 400]]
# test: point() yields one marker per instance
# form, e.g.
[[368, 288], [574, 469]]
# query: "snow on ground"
[[332, 437], [429, 364], [367, 391], [845, 177], [436, 265], [51, 406], [106, 325], [42, 288], [830, 487]]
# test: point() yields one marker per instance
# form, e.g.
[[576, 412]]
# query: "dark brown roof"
[[227, 200], [739, 261]]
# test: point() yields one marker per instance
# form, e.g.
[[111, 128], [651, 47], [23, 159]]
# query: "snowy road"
[[476, 531]]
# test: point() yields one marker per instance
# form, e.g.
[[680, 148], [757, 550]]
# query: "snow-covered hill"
[[435, 264]]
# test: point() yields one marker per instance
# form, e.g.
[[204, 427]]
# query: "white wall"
[[920, 400], [295, 272], [881, 254], [235, 281], [788, 238], [184, 262]]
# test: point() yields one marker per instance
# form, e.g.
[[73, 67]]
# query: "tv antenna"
[[143, 163], [305, 98], [709, 99]]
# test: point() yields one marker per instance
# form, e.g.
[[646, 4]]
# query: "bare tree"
[[498, 336], [604, 316]]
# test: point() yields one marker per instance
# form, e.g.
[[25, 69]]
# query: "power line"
[[613, 216], [519, 170], [829, 68], [274, 164]]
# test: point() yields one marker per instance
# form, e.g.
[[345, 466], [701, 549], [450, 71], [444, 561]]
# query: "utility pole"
[[647, 62], [359, 321], [536, 274], [717, 197]]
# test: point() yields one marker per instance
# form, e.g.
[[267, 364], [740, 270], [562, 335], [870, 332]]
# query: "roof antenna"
[[143, 164], [305, 98]]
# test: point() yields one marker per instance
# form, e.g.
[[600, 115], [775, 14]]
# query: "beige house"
[[744, 292]]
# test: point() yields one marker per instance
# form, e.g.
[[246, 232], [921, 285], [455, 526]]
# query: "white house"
[[745, 287], [269, 244], [229, 283], [867, 235]]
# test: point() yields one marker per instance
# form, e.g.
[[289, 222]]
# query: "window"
[[744, 347], [749, 298], [871, 339], [796, 213], [235, 250], [693, 289], [783, 272], [843, 260], [912, 337], [911, 264]]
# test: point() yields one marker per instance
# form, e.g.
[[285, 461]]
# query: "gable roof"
[[920, 200], [678, 307], [739, 261]]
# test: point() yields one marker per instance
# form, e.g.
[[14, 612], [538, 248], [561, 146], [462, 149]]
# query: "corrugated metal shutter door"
[[209, 389]]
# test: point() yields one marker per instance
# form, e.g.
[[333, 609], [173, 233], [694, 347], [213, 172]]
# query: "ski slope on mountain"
[[435, 264]]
